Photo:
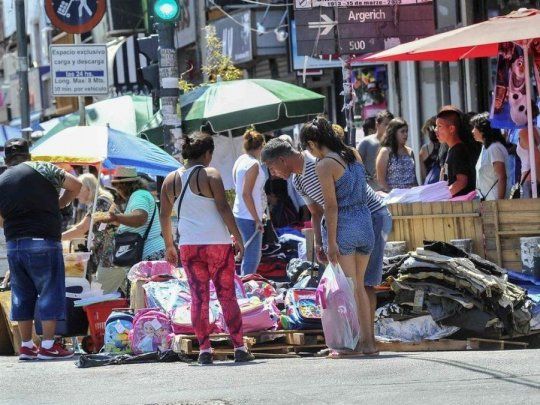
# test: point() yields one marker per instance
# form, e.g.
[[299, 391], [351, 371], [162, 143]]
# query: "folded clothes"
[[460, 289]]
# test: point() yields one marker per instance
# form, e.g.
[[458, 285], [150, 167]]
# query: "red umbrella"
[[475, 41]]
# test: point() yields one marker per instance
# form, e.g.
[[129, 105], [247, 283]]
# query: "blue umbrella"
[[99, 144], [129, 150]]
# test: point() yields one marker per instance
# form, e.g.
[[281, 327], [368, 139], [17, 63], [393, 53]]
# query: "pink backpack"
[[151, 331], [258, 316]]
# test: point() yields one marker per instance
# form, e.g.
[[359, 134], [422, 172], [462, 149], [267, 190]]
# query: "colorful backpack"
[[117, 329], [257, 315], [302, 311], [151, 331]]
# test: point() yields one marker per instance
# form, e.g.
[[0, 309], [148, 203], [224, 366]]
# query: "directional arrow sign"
[[325, 23]]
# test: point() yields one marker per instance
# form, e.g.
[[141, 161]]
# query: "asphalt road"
[[496, 377]]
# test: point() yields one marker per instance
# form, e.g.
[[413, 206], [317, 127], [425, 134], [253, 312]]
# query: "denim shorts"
[[382, 226], [253, 252], [37, 275]]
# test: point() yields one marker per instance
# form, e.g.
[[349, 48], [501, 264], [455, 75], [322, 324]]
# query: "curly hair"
[[197, 144]]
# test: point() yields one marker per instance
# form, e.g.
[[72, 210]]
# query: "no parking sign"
[[75, 16]]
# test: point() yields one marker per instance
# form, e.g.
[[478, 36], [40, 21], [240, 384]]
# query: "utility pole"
[[168, 87], [22, 49]]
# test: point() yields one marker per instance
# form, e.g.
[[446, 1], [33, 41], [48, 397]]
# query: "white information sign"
[[79, 70]]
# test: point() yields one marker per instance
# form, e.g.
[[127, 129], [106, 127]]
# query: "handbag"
[[129, 246], [515, 191]]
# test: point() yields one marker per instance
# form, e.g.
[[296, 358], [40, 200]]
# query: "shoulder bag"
[[129, 246], [515, 192]]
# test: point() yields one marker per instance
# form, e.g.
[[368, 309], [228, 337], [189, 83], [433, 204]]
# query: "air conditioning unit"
[[125, 17]]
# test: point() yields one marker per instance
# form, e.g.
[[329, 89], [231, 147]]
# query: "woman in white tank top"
[[205, 225], [250, 200]]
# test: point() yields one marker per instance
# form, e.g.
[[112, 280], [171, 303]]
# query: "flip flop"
[[371, 354], [334, 354]]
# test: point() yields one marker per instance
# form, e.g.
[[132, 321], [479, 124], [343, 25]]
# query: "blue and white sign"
[[79, 70]]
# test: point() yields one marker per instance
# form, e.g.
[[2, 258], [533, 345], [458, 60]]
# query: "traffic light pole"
[[168, 88], [22, 48]]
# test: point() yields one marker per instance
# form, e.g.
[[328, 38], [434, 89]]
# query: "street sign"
[[75, 16], [358, 27], [79, 70]]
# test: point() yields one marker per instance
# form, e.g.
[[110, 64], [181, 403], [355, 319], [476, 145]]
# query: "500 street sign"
[[361, 26]]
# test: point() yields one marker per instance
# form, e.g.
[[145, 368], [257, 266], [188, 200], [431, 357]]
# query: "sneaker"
[[241, 356], [205, 359], [28, 354], [55, 352]]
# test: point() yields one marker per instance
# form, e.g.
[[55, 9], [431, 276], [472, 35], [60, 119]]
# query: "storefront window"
[[448, 13]]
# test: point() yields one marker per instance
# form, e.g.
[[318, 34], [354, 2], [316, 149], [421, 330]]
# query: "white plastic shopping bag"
[[335, 295]]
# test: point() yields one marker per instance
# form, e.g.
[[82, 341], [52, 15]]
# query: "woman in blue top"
[[348, 230], [141, 213]]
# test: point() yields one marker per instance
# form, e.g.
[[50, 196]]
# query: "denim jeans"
[[382, 226], [252, 254], [37, 275]]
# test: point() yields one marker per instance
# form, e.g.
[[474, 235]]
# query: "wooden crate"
[[442, 221], [504, 223]]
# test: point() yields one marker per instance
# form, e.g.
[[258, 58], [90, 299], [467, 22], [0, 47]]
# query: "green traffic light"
[[166, 10]]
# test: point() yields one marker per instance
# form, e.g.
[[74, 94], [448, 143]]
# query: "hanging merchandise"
[[349, 100], [509, 107]]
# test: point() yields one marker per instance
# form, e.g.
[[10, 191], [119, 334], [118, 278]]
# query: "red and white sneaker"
[[26, 353], [55, 352]]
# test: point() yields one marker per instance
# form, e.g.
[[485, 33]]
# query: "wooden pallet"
[[281, 343]]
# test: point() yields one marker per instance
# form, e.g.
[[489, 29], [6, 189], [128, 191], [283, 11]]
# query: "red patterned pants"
[[203, 263]]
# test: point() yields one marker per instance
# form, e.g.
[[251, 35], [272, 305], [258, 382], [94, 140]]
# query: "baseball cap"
[[16, 146]]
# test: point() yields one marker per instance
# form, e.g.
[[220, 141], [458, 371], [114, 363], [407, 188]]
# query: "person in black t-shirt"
[[458, 170]]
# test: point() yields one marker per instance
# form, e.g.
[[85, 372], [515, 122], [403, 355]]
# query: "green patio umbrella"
[[266, 104], [130, 114]]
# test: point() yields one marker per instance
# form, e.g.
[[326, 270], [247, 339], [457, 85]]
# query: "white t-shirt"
[[486, 177], [240, 168]]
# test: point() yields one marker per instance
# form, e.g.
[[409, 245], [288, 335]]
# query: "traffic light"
[[166, 11], [149, 74]]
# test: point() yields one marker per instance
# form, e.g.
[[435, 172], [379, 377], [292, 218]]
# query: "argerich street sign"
[[75, 16], [360, 26]]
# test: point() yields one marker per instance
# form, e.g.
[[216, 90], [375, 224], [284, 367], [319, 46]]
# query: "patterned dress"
[[401, 172], [354, 224]]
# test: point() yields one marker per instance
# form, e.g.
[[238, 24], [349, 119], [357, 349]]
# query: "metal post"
[[348, 102], [80, 99], [22, 48], [168, 88], [530, 127]]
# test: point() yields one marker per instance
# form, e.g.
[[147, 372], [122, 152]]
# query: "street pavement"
[[474, 377]]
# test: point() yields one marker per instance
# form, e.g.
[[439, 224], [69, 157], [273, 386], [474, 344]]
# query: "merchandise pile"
[[441, 289]]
